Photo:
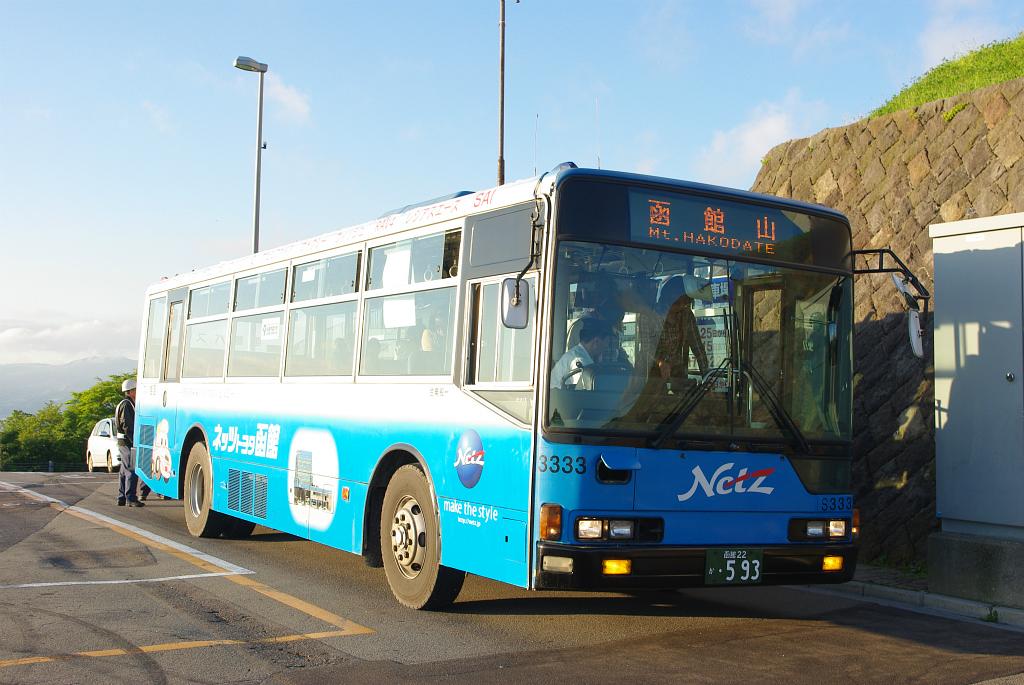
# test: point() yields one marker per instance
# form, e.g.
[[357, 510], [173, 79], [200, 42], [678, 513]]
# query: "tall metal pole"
[[259, 155], [501, 95]]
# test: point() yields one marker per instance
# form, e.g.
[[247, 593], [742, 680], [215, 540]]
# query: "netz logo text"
[[469, 457], [721, 483]]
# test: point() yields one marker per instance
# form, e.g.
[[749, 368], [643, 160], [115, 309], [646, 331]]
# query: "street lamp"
[[249, 64], [501, 92]]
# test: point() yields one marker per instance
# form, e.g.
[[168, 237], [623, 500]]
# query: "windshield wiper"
[[687, 404], [779, 413]]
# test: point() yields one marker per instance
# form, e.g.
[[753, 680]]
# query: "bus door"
[[159, 468]]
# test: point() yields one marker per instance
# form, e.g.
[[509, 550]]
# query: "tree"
[[85, 408], [11, 430], [56, 433]]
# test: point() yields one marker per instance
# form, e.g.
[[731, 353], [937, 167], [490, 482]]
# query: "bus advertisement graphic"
[[469, 463], [160, 465], [313, 482]]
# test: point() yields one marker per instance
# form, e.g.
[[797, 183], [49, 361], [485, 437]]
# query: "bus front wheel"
[[411, 544], [201, 519]]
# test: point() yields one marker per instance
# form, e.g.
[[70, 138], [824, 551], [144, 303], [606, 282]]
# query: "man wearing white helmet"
[[124, 418]]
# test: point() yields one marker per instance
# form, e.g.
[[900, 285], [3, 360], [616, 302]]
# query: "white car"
[[102, 447]]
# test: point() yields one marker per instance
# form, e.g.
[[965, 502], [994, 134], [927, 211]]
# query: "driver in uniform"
[[596, 337]]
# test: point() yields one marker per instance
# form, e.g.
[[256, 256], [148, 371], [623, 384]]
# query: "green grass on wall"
[[990, 64]]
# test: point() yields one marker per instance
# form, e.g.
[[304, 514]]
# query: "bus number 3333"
[[555, 464]]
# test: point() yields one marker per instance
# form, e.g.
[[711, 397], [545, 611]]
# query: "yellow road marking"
[[184, 556], [169, 647], [346, 626]]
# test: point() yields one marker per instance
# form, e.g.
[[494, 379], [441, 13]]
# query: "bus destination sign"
[[713, 224]]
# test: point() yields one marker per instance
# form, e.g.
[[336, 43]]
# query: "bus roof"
[[408, 218], [455, 206], [700, 188]]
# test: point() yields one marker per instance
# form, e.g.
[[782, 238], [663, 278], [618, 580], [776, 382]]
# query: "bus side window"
[[503, 355], [155, 330], [501, 361], [414, 332], [321, 340]]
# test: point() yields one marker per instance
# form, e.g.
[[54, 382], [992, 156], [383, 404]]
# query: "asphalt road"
[[84, 599]]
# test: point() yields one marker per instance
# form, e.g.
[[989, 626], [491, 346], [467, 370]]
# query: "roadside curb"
[[968, 608]]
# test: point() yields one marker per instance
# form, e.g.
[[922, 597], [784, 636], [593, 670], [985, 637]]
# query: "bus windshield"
[[670, 345]]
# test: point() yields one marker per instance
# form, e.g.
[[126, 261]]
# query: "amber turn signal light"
[[616, 567], [832, 564], [550, 522]]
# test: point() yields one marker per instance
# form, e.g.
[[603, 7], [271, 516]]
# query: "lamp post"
[[501, 92], [249, 64]]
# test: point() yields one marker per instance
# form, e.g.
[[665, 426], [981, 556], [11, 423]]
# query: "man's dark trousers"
[[128, 481]]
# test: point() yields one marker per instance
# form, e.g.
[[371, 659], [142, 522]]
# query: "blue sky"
[[127, 138]]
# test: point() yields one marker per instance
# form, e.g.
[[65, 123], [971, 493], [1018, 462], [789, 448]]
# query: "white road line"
[[119, 582], [229, 568]]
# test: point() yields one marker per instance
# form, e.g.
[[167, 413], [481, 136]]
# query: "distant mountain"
[[29, 386]]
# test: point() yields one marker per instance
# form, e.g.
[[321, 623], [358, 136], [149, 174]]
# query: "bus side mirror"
[[515, 303], [916, 335], [913, 317]]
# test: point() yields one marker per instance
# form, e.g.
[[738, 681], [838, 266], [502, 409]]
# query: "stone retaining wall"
[[893, 176]]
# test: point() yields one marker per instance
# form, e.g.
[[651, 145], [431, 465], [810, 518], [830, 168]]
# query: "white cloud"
[[38, 113], [411, 132], [773, 15], [649, 150], [734, 155], [819, 38], [159, 117], [662, 38], [955, 28], [647, 165], [23, 342], [778, 22], [293, 104]]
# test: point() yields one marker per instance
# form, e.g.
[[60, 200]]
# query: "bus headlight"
[[832, 528], [620, 530], [589, 529]]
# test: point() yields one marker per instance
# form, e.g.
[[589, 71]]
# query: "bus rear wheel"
[[201, 519], [411, 544]]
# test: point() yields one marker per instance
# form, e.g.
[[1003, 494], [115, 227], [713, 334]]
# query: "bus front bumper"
[[673, 567]]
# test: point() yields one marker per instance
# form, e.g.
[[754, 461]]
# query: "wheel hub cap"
[[409, 537]]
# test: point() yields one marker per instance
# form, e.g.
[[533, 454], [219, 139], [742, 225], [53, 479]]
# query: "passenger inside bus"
[[370, 356], [679, 334], [341, 362], [432, 339]]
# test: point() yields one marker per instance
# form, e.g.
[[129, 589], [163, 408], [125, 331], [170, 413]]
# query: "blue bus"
[[588, 380]]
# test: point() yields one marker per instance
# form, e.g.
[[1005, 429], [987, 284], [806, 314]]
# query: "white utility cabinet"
[[979, 409]]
